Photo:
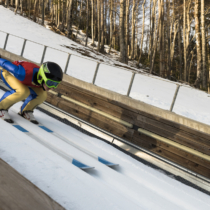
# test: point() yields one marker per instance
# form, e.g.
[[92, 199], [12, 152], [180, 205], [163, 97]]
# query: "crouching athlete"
[[27, 81]]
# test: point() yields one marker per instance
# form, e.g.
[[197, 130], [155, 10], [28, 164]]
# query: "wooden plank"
[[162, 126], [176, 138], [17, 193], [124, 110], [169, 155], [199, 134], [97, 103], [91, 117], [154, 143]]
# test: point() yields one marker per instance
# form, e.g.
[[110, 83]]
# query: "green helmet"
[[50, 73]]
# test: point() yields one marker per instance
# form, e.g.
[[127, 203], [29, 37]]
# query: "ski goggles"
[[51, 84]]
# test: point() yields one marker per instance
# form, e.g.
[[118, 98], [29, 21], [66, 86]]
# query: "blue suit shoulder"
[[17, 71]]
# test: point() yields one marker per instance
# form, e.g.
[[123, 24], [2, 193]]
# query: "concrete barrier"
[[126, 101]]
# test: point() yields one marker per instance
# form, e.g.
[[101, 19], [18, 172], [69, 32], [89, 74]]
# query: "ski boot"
[[28, 115], [5, 116]]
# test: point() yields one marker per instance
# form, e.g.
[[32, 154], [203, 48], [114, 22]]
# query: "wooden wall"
[[173, 131]]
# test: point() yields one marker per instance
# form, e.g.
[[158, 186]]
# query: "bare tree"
[[6, 3], [209, 68], [92, 21], [35, 10], [69, 22], [16, 6], [184, 40], [180, 50], [123, 51], [127, 24], [156, 39], [152, 34], [161, 16], [142, 34], [87, 22], [198, 44], [133, 29], [203, 44], [99, 23], [43, 11], [111, 19], [102, 26]]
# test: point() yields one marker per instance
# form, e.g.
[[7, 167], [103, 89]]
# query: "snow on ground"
[[152, 90], [131, 185]]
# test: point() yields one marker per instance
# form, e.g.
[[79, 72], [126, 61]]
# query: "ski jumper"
[[21, 78]]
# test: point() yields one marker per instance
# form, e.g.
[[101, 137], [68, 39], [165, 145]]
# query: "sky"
[[131, 185]]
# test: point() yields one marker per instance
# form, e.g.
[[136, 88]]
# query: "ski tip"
[[45, 128], [20, 128], [105, 162], [81, 165]]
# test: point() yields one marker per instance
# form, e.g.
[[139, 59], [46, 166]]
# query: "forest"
[[168, 38]]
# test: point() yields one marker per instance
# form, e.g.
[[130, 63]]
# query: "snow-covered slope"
[[131, 185]]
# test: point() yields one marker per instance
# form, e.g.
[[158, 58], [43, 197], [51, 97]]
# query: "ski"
[[100, 159], [52, 148]]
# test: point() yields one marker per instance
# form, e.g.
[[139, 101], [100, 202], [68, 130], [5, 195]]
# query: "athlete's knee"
[[43, 96], [23, 92]]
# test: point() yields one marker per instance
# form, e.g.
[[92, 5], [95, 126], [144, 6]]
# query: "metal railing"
[[96, 69]]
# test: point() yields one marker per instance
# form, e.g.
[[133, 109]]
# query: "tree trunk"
[[209, 67], [174, 40], [133, 29], [142, 34], [69, 23], [153, 31], [123, 51], [155, 43], [198, 43], [169, 40], [35, 10], [63, 16], [188, 37], [6, 3], [203, 44], [127, 23], [184, 40], [191, 63], [43, 12], [58, 12], [180, 50], [111, 19], [102, 26], [150, 28], [99, 23], [105, 23], [87, 9], [16, 6], [21, 7], [114, 22], [161, 36], [92, 21], [29, 9]]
